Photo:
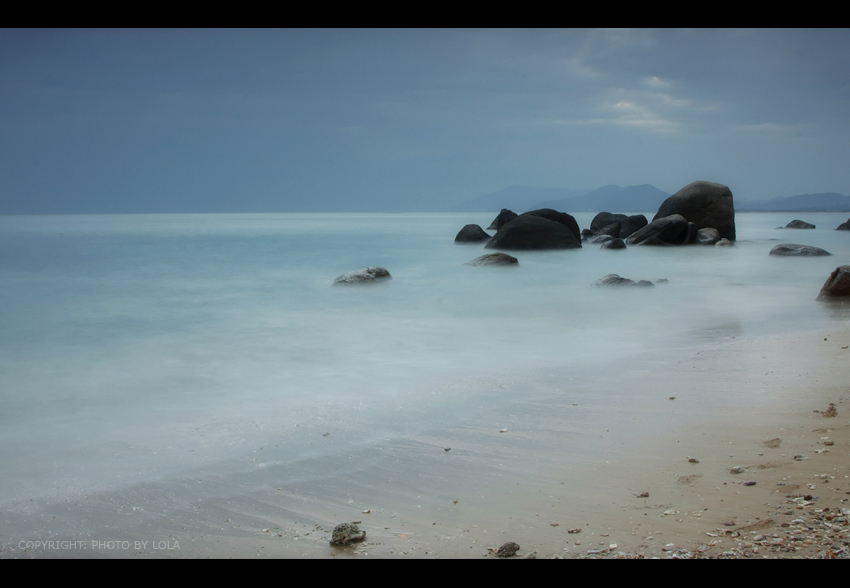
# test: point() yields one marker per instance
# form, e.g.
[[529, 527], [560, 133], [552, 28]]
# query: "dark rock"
[[586, 235], [844, 226], [367, 275], [504, 217], [788, 249], [705, 204], [509, 549], [798, 224], [604, 219], [838, 283], [724, 243], [471, 234], [494, 259], [601, 239], [669, 230], [346, 534], [615, 280], [614, 244], [529, 231], [559, 217], [708, 236], [632, 224]]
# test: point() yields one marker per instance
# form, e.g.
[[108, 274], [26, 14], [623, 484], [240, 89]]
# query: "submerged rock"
[[367, 275], [668, 230], [708, 236], [615, 280], [844, 226], [471, 234], [788, 249], [837, 284], [798, 224], [494, 259], [614, 244], [346, 534]]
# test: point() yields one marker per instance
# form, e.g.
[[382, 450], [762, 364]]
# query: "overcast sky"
[[297, 120]]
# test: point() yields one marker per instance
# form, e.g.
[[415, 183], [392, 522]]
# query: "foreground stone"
[[792, 249], [837, 285], [346, 534], [705, 204], [471, 234], [494, 259], [367, 275], [798, 224], [508, 549]]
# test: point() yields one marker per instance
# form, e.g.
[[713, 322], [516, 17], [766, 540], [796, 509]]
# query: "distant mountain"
[[642, 198], [825, 202], [516, 198]]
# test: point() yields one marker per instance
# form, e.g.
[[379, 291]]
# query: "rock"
[[604, 219], [559, 217], [724, 243], [615, 280], [708, 236], [614, 244], [705, 204], [346, 534], [367, 275], [601, 239], [844, 226], [494, 259], [509, 549], [471, 234], [837, 284], [529, 231], [789, 249], [668, 230], [504, 217], [798, 224], [632, 224]]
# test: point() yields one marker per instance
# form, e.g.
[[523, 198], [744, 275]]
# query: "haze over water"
[[153, 348]]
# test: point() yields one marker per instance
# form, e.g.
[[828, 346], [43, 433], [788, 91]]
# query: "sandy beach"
[[761, 474]]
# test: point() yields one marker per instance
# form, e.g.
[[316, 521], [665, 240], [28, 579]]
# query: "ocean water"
[[138, 349]]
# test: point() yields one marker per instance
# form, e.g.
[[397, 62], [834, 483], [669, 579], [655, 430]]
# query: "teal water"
[[144, 348]]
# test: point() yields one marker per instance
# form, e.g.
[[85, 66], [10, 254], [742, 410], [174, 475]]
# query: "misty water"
[[147, 348]]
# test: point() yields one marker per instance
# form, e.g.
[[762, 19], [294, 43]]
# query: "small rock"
[[693, 460], [749, 483], [346, 534], [643, 495], [503, 430], [509, 549], [737, 470]]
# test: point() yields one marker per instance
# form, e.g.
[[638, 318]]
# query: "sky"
[[105, 121]]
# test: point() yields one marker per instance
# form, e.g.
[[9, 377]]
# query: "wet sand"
[[671, 493]]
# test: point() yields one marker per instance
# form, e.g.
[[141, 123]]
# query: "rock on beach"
[[837, 284]]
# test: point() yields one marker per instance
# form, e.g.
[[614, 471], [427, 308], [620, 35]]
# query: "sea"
[[211, 351]]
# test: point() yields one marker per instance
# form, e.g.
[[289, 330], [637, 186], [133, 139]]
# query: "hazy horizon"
[[411, 120]]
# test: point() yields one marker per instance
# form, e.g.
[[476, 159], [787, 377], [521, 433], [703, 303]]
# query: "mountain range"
[[644, 198]]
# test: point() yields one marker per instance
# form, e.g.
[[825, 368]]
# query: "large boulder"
[[669, 230], [705, 204], [529, 231], [559, 217], [792, 249], [504, 217], [617, 225], [838, 283], [471, 234], [494, 259], [367, 275], [844, 226], [798, 224]]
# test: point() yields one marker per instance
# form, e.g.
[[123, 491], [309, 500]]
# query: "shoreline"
[[492, 488]]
